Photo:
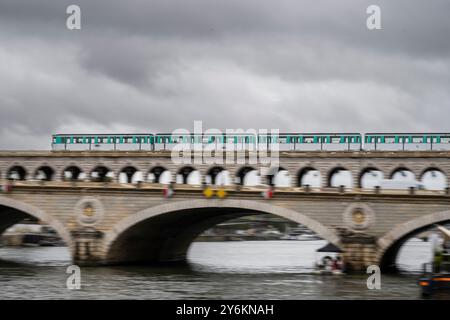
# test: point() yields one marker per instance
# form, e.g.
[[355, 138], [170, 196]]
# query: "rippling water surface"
[[216, 270]]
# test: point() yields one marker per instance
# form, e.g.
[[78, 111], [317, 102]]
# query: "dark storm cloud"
[[159, 65]]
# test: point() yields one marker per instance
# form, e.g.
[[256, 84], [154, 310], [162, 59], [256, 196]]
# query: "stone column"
[[360, 251], [86, 246]]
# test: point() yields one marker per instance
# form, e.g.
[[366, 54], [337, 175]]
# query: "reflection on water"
[[216, 270]]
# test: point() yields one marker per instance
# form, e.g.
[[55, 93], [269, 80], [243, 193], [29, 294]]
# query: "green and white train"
[[246, 141]]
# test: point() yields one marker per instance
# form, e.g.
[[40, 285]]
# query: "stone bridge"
[[104, 221]]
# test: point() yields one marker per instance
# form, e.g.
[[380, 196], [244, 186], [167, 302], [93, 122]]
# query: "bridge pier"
[[87, 242], [359, 251]]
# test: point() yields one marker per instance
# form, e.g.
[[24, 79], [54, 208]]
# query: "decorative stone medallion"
[[358, 216], [89, 211]]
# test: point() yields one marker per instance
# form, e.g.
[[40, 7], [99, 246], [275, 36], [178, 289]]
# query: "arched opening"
[[340, 176], [414, 248], [278, 177], [370, 178], [17, 173], [401, 178], [218, 176], [130, 174], [165, 233], [402, 174], [24, 228], [409, 245], [72, 173], [44, 173], [189, 175], [248, 176], [101, 174], [159, 174], [434, 179], [309, 176]]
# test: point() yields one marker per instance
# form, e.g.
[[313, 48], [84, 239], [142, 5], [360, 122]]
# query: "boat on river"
[[436, 274], [329, 261]]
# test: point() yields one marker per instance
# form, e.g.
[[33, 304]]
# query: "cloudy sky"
[[158, 65]]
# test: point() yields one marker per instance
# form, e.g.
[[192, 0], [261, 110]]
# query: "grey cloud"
[[160, 65]]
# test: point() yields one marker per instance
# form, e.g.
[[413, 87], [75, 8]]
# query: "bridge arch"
[[217, 175], [390, 243], [159, 174], [71, 173], [101, 173], [434, 178], [335, 173], [177, 224], [22, 210], [275, 175], [130, 173], [309, 176], [188, 175], [371, 170], [44, 172], [242, 173], [403, 171], [17, 172]]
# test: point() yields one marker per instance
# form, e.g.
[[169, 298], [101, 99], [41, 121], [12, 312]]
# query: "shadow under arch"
[[164, 233], [391, 242], [13, 211]]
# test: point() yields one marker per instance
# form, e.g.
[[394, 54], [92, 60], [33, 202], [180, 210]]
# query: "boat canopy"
[[329, 248]]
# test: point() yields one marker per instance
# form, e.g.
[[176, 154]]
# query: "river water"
[[216, 270]]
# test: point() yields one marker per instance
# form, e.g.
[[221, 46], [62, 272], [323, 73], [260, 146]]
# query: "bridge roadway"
[[115, 223]]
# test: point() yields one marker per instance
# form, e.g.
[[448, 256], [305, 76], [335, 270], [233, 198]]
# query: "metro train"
[[245, 141]]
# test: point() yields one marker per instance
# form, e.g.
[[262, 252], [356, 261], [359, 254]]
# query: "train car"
[[406, 141], [321, 141], [100, 142], [293, 141]]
